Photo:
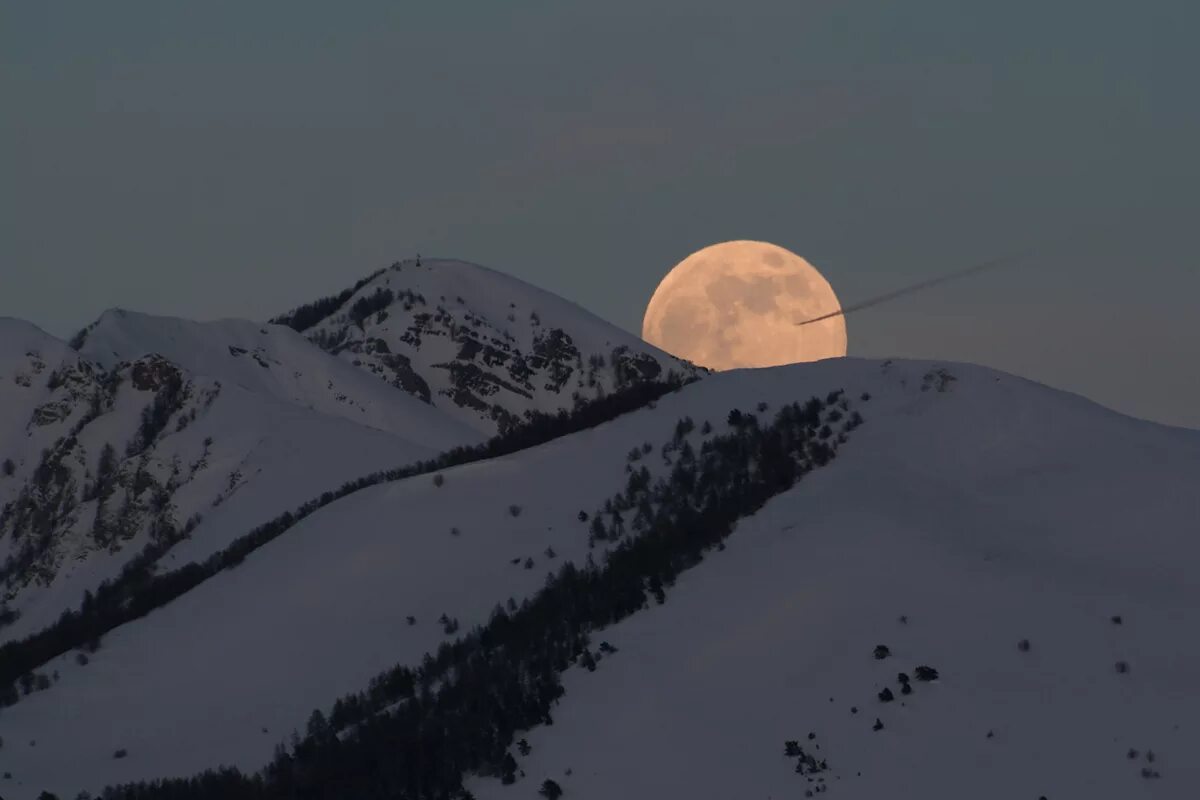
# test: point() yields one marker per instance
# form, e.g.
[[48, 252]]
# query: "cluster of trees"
[[35, 515], [308, 315], [366, 306], [139, 588], [49, 497], [155, 416], [415, 732]]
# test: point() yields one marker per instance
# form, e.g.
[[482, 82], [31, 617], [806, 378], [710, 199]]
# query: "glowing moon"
[[736, 304]]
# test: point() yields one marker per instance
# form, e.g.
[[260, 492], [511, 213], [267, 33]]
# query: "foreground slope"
[[1036, 550], [983, 508]]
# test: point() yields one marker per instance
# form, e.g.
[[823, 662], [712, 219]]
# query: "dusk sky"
[[234, 159]]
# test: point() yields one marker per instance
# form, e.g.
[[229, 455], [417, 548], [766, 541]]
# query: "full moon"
[[737, 304]]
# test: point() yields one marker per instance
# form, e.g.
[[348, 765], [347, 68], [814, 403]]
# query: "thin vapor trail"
[[916, 287]]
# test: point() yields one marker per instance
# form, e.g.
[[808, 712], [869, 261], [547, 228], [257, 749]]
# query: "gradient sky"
[[217, 159]]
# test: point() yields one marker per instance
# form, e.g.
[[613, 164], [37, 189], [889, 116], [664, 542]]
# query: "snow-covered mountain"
[[167, 438], [158, 440], [1031, 549], [160, 430], [481, 345]]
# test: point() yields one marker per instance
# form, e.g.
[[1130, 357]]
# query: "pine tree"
[[508, 769]]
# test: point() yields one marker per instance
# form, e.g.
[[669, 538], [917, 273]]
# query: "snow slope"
[[271, 361], [951, 530], [255, 421], [258, 419], [483, 346], [32, 415], [984, 508]]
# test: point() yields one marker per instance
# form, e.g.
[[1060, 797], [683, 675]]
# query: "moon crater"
[[737, 304]]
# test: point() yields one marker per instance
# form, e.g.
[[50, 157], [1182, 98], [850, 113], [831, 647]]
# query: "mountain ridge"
[[238, 422], [1009, 435]]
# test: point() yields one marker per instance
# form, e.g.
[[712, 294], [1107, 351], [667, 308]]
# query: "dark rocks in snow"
[[806, 763], [1116, 619], [882, 651], [878, 726], [886, 696], [925, 673], [1122, 667], [1023, 645], [902, 678]]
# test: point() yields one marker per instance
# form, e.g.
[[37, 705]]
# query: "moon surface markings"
[[736, 304]]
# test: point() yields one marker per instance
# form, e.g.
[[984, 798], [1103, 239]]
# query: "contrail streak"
[[916, 287]]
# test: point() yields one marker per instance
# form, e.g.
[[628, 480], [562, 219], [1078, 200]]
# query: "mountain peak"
[[487, 348]]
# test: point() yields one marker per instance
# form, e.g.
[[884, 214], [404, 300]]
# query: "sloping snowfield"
[[983, 508]]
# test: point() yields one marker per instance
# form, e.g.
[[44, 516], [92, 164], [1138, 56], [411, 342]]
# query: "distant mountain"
[[482, 346], [165, 438], [162, 430], [756, 559]]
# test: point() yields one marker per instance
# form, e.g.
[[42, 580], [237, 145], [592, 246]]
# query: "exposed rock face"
[[481, 345], [86, 493]]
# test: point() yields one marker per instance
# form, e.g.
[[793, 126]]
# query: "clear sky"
[[215, 159]]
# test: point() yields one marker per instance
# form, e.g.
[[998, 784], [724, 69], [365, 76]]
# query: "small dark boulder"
[[924, 673], [882, 651]]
